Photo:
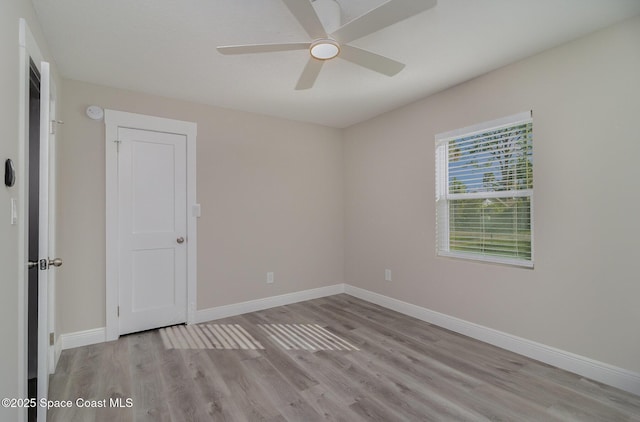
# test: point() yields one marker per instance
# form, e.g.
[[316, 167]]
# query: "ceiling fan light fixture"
[[321, 20], [324, 49]]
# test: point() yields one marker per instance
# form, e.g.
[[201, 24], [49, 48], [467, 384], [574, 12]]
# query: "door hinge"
[[118, 311], [117, 142], [51, 339]]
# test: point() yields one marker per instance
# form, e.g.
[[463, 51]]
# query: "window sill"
[[511, 262]]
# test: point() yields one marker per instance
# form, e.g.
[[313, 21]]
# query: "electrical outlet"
[[387, 275], [270, 277]]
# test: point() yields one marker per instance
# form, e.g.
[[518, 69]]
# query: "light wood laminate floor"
[[405, 370]]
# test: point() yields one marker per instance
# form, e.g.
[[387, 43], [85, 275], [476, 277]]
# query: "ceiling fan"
[[330, 40]]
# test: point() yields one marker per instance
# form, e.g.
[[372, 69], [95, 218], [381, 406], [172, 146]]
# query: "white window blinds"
[[484, 191]]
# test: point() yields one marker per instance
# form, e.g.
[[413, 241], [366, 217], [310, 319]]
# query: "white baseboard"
[[225, 311], [82, 338], [57, 351], [589, 368], [98, 335]]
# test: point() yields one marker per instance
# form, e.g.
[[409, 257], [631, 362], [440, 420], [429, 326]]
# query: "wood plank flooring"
[[404, 370]]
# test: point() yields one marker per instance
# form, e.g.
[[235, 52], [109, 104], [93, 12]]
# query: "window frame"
[[444, 197]]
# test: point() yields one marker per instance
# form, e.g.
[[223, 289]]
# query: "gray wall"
[[271, 195], [583, 294]]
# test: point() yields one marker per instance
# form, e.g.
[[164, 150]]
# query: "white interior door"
[[51, 287], [152, 214], [43, 239], [34, 260]]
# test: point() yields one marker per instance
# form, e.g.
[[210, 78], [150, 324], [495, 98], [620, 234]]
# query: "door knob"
[[180, 240], [43, 264], [55, 262]]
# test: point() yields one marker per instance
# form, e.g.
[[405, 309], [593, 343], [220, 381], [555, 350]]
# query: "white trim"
[[53, 252], [82, 338], [492, 259], [114, 119], [44, 295], [593, 369], [589, 368], [99, 335], [514, 119], [444, 197], [225, 311], [57, 351]]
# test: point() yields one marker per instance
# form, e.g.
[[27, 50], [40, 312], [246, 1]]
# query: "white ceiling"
[[167, 48]]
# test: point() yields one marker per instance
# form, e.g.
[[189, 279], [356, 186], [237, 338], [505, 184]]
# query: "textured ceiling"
[[167, 48]]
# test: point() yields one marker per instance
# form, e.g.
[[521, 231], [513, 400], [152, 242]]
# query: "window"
[[484, 191]]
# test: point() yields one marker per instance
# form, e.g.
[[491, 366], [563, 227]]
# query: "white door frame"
[[56, 349], [44, 298], [113, 120], [29, 50]]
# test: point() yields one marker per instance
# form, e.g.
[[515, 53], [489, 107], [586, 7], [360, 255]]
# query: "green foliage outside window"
[[494, 164]]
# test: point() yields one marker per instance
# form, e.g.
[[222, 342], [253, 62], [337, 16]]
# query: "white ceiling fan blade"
[[262, 48], [370, 60], [309, 74], [306, 15], [386, 14]]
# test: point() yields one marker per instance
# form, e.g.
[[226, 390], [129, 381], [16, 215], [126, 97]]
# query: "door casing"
[[113, 120]]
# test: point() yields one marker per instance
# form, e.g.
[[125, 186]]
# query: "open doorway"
[[36, 122]]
